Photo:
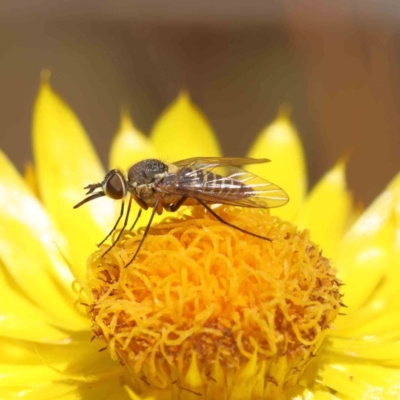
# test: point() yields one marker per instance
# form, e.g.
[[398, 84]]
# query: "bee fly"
[[200, 180]]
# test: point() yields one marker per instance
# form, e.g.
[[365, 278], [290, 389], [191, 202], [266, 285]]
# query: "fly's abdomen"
[[212, 183]]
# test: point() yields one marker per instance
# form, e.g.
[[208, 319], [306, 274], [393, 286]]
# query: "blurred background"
[[336, 62]]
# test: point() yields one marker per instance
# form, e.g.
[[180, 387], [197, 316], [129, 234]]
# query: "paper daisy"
[[205, 311]]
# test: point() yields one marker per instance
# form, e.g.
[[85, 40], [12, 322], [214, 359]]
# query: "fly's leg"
[[136, 220], [176, 206], [153, 213], [123, 227], [115, 225], [143, 206], [229, 224]]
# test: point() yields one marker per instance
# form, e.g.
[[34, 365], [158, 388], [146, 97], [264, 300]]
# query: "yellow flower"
[[45, 335]]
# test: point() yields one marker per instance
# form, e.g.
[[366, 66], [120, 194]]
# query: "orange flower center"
[[202, 304]]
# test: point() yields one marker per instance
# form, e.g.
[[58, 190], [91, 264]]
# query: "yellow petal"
[[246, 380], [21, 319], [25, 375], [30, 249], [30, 328], [68, 371], [368, 348], [35, 382], [78, 351], [366, 251], [386, 297], [31, 179], [12, 319], [129, 145], [355, 213], [314, 394], [384, 300], [104, 389], [66, 162], [370, 381], [326, 209], [397, 216], [193, 380], [164, 395], [371, 323], [280, 143], [15, 351], [182, 131]]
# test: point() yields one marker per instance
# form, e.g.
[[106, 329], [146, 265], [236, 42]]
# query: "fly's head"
[[114, 186]]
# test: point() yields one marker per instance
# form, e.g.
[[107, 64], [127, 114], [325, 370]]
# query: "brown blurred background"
[[336, 62]]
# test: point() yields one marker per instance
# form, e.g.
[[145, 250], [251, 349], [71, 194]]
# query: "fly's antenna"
[[92, 187]]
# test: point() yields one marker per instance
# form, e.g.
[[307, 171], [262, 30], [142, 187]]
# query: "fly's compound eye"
[[114, 186]]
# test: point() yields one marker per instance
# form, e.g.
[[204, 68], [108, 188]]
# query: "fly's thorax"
[[146, 172]]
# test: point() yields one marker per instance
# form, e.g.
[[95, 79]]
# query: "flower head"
[[204, 309], [204, 304]]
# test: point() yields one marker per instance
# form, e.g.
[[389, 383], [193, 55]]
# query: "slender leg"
[[146, 231], [176, 206], [229, 224], [115, 225], [136, 220], [123, 227]]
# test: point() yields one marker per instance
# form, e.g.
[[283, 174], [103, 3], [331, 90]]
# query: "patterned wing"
[[197, 162], [222, 181]]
